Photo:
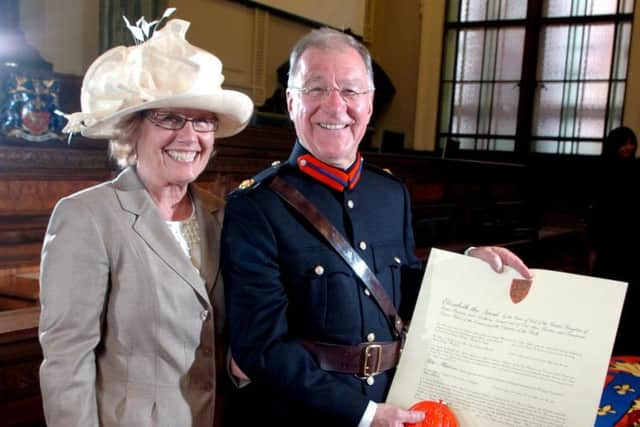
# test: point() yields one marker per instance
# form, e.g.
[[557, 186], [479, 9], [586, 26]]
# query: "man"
[[293, 303]]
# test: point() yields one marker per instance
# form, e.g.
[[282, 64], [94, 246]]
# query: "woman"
[[132, 299], [614, 232], [619, 145]]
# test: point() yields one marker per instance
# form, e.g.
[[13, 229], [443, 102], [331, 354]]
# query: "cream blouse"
[[187, 234]]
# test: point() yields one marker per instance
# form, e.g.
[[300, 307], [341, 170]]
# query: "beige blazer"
[[128, 325]]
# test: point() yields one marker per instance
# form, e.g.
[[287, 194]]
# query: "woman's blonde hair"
[[123, 149]]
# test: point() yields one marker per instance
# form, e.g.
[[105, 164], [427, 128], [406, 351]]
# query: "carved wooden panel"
[[36, 159], [35, 197]]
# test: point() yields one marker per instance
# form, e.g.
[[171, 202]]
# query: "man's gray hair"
[[327, 38]]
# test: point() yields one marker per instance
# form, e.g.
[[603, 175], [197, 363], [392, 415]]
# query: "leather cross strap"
[[295, 199]]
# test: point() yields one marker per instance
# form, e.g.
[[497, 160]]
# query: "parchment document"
[[539, 362]]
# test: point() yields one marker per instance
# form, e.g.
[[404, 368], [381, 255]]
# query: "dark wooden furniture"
[[20, 356]]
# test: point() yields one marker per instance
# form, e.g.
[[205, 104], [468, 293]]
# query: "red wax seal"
[[519, 289], [437, 414]]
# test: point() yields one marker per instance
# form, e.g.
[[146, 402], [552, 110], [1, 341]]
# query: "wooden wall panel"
[[36, 197]]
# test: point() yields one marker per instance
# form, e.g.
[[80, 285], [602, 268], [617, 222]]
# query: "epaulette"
[[253, 183], [381, 171]]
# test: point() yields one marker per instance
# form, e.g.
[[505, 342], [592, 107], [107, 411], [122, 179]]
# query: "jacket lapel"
[[150, 226], [208, 214]]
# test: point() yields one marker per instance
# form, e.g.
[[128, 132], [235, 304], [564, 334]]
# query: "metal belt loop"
[[367, 351]]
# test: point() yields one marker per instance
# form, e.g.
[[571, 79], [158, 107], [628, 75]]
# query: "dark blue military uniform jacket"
[[285, 283]]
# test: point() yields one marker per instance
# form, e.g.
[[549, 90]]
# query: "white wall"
[[341, 14], [65, 32]]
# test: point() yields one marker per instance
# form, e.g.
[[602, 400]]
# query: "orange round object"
[[438, 414]]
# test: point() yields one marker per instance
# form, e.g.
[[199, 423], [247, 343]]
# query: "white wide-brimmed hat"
[[163, 72]]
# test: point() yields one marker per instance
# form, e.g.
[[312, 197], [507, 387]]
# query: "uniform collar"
[[335, 178]]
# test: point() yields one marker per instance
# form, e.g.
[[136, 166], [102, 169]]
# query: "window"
[[113, 31], [533, 76]]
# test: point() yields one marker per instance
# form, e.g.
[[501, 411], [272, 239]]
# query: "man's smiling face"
[[329, 126]]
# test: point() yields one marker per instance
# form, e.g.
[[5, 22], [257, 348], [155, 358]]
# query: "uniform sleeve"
[[257, 320], [413, 270], [73, 286]]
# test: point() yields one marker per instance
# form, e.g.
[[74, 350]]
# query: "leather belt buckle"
[[367, 352]]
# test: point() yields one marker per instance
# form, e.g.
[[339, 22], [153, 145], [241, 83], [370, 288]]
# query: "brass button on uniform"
[[246, 183], [370, 380], [397, 260], [350, 204], [319, 270], [275, 163], [363, 245], [303, 162], [371, 337]]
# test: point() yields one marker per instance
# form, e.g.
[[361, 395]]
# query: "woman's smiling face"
[[173, 157]]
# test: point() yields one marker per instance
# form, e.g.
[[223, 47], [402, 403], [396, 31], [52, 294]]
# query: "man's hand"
[[236, 371], [498, 257], [392, 416]]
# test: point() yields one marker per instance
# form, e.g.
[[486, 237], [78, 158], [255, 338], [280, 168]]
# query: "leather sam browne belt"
[[365, 359]]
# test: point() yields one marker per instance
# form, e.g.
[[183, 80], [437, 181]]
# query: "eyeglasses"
[[318, 93], [174, 121]]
